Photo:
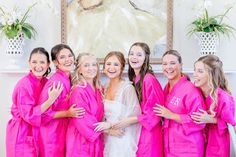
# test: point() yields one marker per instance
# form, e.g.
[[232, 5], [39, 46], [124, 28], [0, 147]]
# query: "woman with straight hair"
[[182, 137], [22, 130], [55, 119]]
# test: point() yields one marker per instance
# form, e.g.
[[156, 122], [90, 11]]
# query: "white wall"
[[184, 13], [48, 28], [44, 20]]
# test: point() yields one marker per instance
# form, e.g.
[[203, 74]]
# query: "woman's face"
[[136, 57], [112, 67], [88, 69], [38, 64], [171, 67], [200, 75], [65, 60]]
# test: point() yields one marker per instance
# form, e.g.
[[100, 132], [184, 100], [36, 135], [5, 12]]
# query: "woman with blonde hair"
[[81, 139], [210, 78]]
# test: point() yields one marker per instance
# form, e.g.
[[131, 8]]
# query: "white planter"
[[15, 51], [15, 45], [208, 43]]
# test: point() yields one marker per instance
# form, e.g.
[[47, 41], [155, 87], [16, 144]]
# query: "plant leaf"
[[29, 28], [11, 33], [26, 13], [27, 32]]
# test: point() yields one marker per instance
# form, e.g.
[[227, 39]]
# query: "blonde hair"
[[78, 79], [216, 78]]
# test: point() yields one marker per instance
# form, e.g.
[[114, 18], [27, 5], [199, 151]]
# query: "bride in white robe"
[[120, 104], [125, 104]]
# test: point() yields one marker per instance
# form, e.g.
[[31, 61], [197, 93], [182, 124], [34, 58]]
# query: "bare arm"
[[71, 112], [114, 132], [125, 122], [203, 117], [162, 111]]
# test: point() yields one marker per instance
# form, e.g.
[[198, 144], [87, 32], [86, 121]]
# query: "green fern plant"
[[11, 24], [211, 24]]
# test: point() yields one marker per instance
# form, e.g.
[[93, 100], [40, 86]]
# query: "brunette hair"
[[56, 50], [41, 50], [146, 68], [179, 58]]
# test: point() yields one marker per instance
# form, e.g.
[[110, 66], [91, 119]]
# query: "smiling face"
[[171, 67], [65, 60], [200, 75], [88, 68], [113, 67], [136, 57], [38, 64]]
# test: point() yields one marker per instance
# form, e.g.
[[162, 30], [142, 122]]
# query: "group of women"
[[71, 114]]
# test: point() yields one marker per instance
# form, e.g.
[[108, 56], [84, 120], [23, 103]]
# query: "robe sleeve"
[[27, 106], [232, 133], [132, 109], [227, 115], [153, 94], [84, 125], [130, 99], [193, 101]]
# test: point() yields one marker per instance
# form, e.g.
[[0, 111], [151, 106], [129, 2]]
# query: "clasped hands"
[[111, 129]]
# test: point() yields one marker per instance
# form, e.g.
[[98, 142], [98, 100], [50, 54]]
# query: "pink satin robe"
[[218, 137], [53, 131], [184, 139], [151, 137], [22, 130], [81, 139]]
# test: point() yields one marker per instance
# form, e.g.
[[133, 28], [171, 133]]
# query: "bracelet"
[[110, 125], [109, 131]]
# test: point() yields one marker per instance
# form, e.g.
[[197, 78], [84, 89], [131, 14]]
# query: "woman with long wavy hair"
[[149, 93], [210, 78], [81, 139]]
